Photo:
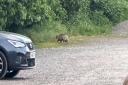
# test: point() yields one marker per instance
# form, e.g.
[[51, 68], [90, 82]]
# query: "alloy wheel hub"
[[1, 65]]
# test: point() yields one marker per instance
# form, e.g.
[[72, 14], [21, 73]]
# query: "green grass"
[[55, 44], [74, 40], [44, 36]]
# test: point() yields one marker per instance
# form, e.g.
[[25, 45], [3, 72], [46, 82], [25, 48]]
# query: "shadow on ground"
[[16, 79]]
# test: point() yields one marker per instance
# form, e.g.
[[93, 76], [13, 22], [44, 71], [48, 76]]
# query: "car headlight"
[[16, 44]]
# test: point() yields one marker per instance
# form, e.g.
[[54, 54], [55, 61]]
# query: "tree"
[[23, 13], [115, 11]]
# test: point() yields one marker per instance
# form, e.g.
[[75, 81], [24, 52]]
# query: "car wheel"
[[3, 65], [11, 74]]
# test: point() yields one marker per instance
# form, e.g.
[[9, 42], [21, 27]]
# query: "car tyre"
[[3, 65], [12, 73]]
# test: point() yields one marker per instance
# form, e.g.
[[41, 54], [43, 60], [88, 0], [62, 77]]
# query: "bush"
[[42, 20], [115, 11], [44, 33]]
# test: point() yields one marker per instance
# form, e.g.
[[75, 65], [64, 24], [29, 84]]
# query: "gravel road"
[[101, 61]]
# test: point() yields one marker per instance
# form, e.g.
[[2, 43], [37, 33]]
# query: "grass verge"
[[74, 40]]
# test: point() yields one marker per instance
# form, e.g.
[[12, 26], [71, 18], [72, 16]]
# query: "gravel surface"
[[102, 61], [121, 28]]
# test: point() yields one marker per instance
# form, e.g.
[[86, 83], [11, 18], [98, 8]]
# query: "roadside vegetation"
[[42, 20]]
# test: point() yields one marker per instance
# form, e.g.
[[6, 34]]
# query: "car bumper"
[[18, 58], [28, 65], [21, 59]]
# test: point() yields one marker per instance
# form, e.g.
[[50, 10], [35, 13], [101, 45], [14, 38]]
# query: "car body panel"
[[17, 57], [14, 36]]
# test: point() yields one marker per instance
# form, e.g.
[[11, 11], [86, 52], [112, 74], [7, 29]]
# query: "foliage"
[[23, 13], [46, 18], [115, 11]]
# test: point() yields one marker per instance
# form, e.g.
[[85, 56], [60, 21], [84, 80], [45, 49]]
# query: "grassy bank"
[[78, 40], [73, 41], [44, 35]]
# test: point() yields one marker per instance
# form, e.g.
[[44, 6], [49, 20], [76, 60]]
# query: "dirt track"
[[102, 61]]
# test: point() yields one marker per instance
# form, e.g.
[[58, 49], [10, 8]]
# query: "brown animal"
[[62, 38]]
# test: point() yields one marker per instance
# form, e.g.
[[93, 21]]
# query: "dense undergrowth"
[[42, 20]]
